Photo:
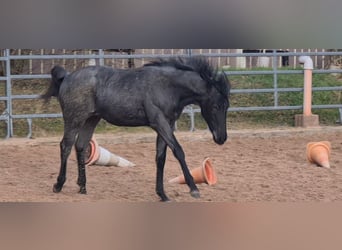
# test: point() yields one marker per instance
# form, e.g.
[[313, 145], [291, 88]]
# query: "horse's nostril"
[[221, 142], [219, 139]]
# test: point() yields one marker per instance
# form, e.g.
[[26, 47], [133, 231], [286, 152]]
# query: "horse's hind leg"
[[81, 145], [160, 160], [65, 149]]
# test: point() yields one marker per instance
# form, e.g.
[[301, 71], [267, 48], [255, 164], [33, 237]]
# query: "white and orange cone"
[[319, 153], [203, 174], [98, 155]]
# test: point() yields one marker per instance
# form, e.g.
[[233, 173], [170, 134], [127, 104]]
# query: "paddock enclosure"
[[25, 74], [253, 165]]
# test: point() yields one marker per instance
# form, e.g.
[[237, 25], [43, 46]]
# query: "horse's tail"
[[58, 74]]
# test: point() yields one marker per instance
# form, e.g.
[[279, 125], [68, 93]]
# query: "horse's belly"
[[122, 117]]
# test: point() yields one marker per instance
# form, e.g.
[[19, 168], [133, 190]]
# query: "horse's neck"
[[192, 92]]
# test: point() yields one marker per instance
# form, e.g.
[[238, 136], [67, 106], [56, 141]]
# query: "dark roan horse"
[[153, 95]]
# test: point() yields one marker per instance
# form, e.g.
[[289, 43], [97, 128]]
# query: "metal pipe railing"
[[100, 55]]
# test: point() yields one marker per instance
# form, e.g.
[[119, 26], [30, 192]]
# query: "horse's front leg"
[[166, 133], [160, 160], [162, 126], [179, 154]]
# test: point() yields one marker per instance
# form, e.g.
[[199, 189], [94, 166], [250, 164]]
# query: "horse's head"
[[214, 108], [207, 88]]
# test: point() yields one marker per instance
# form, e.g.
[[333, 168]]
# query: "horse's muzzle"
[[219, 139]]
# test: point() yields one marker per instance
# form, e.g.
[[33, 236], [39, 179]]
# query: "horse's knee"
[[178, 153]]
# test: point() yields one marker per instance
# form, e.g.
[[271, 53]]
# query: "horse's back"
[[120, 96], [78, 90]]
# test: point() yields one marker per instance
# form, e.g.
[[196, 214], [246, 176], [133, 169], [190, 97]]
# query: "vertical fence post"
[[275, 77], [8, 95], [307, 119], [307, 99], [101, 54], [192, 113], [189, 51]]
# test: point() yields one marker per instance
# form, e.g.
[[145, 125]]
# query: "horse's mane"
[[199, 65]]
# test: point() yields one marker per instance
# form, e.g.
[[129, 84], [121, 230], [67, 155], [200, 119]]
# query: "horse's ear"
[[227, 81], [225, 76]]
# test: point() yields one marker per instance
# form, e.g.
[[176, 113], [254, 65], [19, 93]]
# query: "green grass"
[[282, 118], [245, 119]]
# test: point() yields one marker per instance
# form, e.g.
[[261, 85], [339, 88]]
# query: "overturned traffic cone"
[[203, 174], [319, 153], [97, 155], [92, 152]]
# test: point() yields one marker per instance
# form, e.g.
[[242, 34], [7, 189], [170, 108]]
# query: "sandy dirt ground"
[[261, 165]]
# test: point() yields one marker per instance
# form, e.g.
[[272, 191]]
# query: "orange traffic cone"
[[319, 153], [203, 174], [98, 155], [92, 152]]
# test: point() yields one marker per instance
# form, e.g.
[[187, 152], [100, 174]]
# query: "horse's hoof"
[[163, 197], [165, 200], [195, 194], [83, 190], [56, 188]]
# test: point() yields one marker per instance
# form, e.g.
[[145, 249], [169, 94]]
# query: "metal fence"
[[17, 66]]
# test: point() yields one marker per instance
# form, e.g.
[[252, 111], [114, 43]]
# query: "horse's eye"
[[215, 107]]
